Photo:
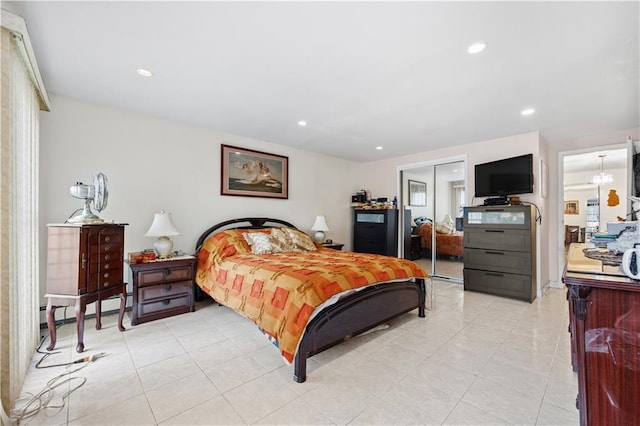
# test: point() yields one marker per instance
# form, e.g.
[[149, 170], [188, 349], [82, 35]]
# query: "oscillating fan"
[[98, 193]]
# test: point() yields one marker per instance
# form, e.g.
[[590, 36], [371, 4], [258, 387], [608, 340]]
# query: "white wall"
[[155, 164]]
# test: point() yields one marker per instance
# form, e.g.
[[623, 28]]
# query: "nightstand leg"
[[51, 325]]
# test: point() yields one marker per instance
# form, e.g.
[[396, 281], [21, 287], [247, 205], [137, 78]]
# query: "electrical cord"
[[88, 358], [43, 398]]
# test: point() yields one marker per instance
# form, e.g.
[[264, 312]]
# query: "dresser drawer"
[[106, 279], [369, 246], [162, 308], [498, 239], [165, 275], [498, 260], [164, 291], [370, 230], [503, 284]]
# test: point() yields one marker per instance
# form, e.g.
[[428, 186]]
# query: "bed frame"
[[351, 315]]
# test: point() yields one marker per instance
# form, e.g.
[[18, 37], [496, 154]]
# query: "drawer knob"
[[106, 283], [166, 301], [167, 288], [106, 266], [107, 248], [107, 239], [107, 257], [105, 275], [166, 272]]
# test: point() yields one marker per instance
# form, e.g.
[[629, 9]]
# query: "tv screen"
[[505, 177]]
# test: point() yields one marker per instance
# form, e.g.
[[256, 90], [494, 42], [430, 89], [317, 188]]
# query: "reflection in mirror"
[[447, 238]]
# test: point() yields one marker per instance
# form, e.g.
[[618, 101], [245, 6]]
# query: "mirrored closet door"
[[435, 194], [449, 198]]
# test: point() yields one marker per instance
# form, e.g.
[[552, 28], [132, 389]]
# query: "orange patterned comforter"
[[280, 292]]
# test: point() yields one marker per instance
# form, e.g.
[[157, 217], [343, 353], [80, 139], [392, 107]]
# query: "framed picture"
[[250, 173], [417, 193], [571, 207]]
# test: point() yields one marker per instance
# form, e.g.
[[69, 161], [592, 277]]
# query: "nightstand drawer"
[[164, 307], [165, 275], [164, 291]]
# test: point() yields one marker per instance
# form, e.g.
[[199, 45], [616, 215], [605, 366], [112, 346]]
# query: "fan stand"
[[86, 216]]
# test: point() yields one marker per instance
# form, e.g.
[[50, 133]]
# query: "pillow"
[[284, 240], [421, 219], [444, 228], [302, 241], [262, 243]]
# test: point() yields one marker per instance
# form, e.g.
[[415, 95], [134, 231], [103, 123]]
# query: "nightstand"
[[162, 288], [335, 246], [416, 247]]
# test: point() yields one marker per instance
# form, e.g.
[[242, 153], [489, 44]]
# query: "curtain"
[[19, 277]]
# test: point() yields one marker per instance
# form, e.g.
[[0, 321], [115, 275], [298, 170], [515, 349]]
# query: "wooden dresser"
[[84, 265], [162, 288], [604, 316]]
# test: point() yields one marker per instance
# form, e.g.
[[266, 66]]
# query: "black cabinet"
[[376, 231]]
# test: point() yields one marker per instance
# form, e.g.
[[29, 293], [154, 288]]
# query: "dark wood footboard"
[[356, 314]]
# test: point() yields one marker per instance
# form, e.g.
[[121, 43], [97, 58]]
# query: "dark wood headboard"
[[242, 223]]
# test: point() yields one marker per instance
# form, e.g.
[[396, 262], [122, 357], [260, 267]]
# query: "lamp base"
[[163, 246], [319, 237]]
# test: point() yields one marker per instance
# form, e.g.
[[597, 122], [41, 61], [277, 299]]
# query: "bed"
[[307, 300], [447, 244]]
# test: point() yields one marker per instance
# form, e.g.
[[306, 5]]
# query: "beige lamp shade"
[[162, 227], [320, 226]]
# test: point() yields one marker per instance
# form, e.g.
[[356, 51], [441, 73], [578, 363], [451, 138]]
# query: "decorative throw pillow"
[[262, 243], [300, 239], [444, 228], [286, 242]]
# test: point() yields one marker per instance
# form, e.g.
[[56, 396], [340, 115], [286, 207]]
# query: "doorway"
[[595, 186], [436, 217]]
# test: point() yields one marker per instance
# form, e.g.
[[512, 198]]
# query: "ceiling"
[[361, 74], [592, 162]]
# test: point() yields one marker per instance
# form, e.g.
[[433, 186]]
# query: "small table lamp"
[[162, 227], [320, 226]]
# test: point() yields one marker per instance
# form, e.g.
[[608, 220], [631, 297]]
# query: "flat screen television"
[[504, 177]]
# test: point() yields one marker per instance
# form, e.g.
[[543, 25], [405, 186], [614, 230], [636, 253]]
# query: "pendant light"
[[602, 178]]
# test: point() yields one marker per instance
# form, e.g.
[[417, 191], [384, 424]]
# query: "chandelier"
[[602, 177]]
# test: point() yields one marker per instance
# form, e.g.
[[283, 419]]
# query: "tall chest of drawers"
[[376, 231], [84, 265], [500, 250]]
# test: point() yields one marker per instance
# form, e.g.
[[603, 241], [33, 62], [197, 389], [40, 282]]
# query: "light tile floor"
[[475, 359]]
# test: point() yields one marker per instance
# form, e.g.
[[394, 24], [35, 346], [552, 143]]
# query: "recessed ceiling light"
[[302, 123], [144, 72], [527, 111], [378, 147], [477, 47]]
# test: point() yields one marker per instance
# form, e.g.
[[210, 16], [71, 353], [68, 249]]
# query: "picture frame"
[[572, 207], [417, 193], [249, 173]]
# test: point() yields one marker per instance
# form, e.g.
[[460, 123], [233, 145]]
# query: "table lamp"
[[320, 226], [162, 227]]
